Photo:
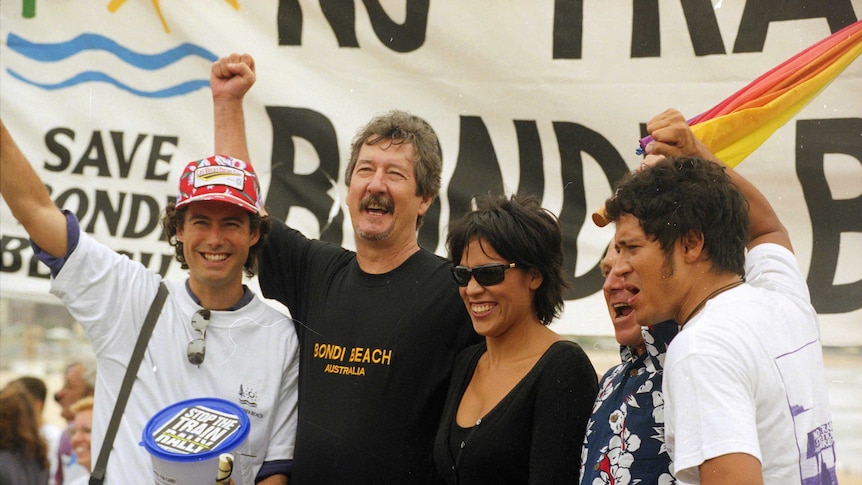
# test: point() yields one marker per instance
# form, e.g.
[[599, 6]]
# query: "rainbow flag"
[[735, 127]]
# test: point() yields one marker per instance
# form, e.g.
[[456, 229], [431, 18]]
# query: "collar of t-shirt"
[[247, 295]]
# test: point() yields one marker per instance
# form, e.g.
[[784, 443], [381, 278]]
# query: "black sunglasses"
[[197, 349], [486, 274]]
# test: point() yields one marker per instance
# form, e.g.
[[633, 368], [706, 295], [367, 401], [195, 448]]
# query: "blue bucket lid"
[[197, 429]]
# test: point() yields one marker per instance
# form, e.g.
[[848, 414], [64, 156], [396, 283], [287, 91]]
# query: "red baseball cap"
[[220, 178]]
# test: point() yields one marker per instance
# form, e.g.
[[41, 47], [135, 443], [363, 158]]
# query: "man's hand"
[[672, 137], [232, 76]]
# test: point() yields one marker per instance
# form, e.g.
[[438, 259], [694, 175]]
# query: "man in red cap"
[[208, 331]]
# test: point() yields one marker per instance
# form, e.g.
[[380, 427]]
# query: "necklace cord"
[[702, 303]]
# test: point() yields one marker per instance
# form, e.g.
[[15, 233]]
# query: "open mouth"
[[376, 205], [376, 210], [481, 308], [215, 258], [622, 310]]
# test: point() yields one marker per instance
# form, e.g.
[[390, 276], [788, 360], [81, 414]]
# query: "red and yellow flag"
[[735, 127]]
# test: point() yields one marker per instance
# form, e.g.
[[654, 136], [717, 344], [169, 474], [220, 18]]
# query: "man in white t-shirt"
[[745, 389], [213, 338]]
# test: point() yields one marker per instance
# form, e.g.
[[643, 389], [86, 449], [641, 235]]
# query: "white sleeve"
[[774, 267]]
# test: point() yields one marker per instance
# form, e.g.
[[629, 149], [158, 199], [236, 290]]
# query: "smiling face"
[[80, 438], [497, 309], [216, 238], [626, 328], [382, 194], [647, 272]]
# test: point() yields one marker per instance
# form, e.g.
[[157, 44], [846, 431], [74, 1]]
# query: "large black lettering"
[[12, 250], [122, 161], [289, 189], [54, 145], [11, 247], [94, 156], [65, 200], [156, 155], [37, 269], [341, 16], [646, 29], [573, 140], [477, 170], [139, 202], [106, 208], [568, 29], [758, 14], [829, 217], [532, 162], [429, 232], [700, 21]]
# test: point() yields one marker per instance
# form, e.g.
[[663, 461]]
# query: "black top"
[[534, 434], [376, 352]]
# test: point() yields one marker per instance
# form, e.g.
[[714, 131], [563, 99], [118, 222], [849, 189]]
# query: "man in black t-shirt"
[[379, 327]]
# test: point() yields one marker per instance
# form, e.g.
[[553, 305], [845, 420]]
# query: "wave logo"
[[53, 52]]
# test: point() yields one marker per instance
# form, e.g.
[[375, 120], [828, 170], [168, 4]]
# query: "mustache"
[[377, 201]]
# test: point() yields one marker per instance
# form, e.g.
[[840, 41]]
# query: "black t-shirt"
[[376, 355]]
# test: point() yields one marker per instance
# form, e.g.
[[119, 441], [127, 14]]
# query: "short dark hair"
[[678, 196], [173, 218], [397, 127], [522, 231]]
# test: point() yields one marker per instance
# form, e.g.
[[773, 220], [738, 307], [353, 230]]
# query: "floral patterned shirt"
[[624, 443]]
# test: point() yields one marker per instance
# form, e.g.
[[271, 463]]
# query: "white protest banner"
[[109, 100]]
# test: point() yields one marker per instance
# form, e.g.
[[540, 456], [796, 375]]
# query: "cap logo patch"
[[219, 175]]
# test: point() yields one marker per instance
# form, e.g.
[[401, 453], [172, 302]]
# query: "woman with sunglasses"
[[518, 404]]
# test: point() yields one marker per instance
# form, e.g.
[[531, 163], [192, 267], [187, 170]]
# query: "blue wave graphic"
[[94, 76], [58, 51], [53, 52]]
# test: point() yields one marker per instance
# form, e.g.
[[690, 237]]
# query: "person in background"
[[23, 453], [379, 327], [625, 442], [79, 381], [81, 428], [745, 387], [210, 331], [49, 432], [517, 404]]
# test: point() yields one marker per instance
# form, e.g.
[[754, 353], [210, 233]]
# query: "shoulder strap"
[[97, 477]]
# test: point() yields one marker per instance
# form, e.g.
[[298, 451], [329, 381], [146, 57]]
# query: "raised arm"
[[230, 78], [673, 137], [26, 195]]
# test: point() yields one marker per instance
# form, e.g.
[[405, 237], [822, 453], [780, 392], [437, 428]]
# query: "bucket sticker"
[[196, 429]]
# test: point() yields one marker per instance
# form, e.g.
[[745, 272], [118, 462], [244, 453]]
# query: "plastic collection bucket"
[[185, 440]]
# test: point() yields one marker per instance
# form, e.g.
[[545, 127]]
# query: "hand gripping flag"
[[735, 127]]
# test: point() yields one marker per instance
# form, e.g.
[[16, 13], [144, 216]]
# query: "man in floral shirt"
[[625, 436]]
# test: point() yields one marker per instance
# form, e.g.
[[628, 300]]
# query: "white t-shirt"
[[251, 359], [746, 375]]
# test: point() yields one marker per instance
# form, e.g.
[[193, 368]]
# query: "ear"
[[179, 234], [425, 204], [692, 246], [255, 237], [536, 279]]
